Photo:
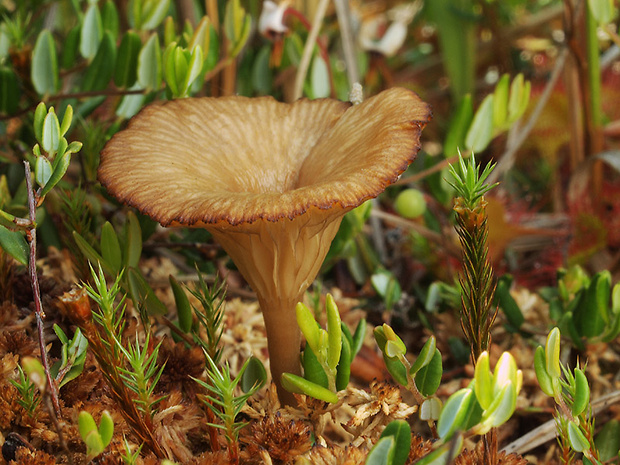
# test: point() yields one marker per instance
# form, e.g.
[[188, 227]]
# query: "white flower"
[[271, 21]]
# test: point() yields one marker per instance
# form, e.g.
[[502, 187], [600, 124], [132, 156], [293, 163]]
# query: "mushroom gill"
[[271, 182]]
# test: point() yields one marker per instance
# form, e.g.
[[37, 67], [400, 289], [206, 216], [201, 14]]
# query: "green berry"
[[410, 203]]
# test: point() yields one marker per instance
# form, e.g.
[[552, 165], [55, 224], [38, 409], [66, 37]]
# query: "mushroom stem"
[[283, 342]]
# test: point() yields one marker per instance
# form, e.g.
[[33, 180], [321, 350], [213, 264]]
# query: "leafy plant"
[[29, 398], [571, 393], [224, 403], [328, 354], [95, 438]]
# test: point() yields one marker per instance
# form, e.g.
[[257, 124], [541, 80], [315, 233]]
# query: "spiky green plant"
[[477, 280]]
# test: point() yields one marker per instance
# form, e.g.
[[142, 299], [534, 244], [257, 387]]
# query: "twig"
[[310, 41], [31, 235], [348, 42]]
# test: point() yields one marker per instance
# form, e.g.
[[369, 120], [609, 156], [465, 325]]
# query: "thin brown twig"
[[31, 235]]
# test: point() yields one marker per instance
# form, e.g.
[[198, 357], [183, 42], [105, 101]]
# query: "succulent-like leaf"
[[14, 243], [581, 397], [106, 428], [51, 132], [552, 354], [500, 102], [454, 413], [484, 381], [343, 370], [428, 378], [42, 170], [334, 332], [184, 308], [299, 385], [308, 325], [313, 370], [426, 355], [577, 439]]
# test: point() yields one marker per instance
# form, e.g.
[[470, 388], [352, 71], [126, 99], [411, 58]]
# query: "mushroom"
[[271, 181]]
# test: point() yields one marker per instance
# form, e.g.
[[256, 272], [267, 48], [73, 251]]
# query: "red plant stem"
[[31, 235]]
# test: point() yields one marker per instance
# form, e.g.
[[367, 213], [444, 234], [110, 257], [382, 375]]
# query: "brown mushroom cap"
[[194, 162]]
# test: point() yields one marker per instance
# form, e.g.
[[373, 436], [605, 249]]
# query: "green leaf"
[[133, 241], [544, 380], [90, 253], [426, 355], [358, 337], [42, 170], [299, 385], [126, 70], [9, 91], [455, 413], [430, 409], [442, 455], [91, 32], [66, 120], [109, 19], [387, 287], [193, 69], [262, 74], [319, 78], [111, 248], [500, 103], [603, 11], [131, 104], [552, 354], [100, 71], [106, 428], [51, 132], [401, 432], [149, 64], [334, 332], [236, 26], [60, 168], [343, 370], [428, 378], [581, 397], [481, 130], [484, 381], [86, 424], [576, 438], [607, 441], [254, 374], [142, 294], [184, 308], [519, 98], [459, 124], [313, 370], [15, 244], [308, 325], [507, 303], [382, 452], [39, 118], [153, 13], [71, 47], [44, 68], [500, 410]]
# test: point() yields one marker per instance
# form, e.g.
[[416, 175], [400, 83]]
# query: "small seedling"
[[95, 438], [328, 354], [29, 398], [571, 393], [73, 356]]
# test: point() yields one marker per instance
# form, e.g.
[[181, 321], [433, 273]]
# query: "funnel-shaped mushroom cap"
[[269, 180]]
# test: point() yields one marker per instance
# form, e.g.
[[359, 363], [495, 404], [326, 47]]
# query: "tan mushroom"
[[270, 181]]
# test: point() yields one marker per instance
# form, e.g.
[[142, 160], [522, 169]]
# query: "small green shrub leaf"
[[581, 397], [44, 68], [577, 439], [71, 47], [14, 243], [382, 452], [319, 78], [343, 370], [484, 381], [184, 308], [334, 332], [552, 354], [91, 32], [51, 132], [254, 375], [426, 355], [149, 64], [61, 164], [544, 380], [401, 432], [500, 103], [455, 413], [126, 70], [313, 370], [111, 248], [428, 378], [9, 91], [42, 170], [481, 130], [101, 69]]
